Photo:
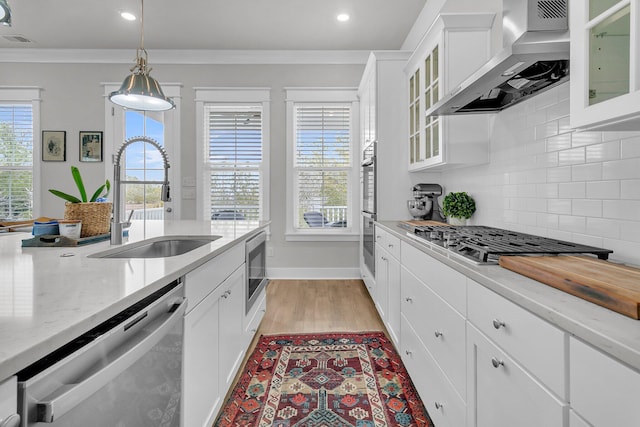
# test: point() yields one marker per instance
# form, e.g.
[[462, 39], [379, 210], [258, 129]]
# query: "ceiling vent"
[[17, 39]]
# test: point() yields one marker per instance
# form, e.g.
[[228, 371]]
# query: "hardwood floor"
[[307, 306], [302, 306]]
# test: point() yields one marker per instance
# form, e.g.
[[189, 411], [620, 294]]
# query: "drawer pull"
[[498, 324], [383, 258], [408, 353], [226, 294], [497, 363], [390, 245], [438, 334], [408, 299], [438, 405]]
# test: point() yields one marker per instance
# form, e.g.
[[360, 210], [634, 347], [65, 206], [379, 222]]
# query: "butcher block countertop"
[[51, 295], [614, 333]]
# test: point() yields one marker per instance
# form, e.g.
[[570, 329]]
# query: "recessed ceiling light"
[[343, 17], [128, 16]]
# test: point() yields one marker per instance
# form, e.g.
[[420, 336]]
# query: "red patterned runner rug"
[[324, 380]]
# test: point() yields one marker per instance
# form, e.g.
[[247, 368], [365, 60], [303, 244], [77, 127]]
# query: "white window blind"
[[235, 143], [16, 161], [322, 165]]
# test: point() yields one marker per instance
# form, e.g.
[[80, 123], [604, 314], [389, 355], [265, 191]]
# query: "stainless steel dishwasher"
[[126, 372]]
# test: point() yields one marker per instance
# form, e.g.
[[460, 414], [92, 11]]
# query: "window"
[[141, 163], [19, 110], [234, 156], [322, 167]]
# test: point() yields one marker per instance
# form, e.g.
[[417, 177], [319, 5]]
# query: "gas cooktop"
[[484, 245]]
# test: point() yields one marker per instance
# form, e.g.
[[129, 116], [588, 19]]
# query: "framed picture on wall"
[[54, 145], [90, 146]]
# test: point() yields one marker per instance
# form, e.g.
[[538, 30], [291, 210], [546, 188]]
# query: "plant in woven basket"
[[94, 212], [101, 192], [458, 205]]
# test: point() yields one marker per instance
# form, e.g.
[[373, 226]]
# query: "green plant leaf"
[[75, 172], [65, 196], [97, 193]]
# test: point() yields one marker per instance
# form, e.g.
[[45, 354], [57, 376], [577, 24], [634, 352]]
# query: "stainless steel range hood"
[[534, 58]]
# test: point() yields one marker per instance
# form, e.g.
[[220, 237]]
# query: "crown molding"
[[192, 57]]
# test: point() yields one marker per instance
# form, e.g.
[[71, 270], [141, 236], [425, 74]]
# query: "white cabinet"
[[382, 92], [516, 365], [433, 344], [503, 394], [453, 48], [605, 71], [603, 391], [214, 342], [9, 403], [387, 290]]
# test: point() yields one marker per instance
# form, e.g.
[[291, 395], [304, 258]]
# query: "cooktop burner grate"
[[485, 244]]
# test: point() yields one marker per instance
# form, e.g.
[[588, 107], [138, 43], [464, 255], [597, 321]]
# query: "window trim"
[[230, 96], [328, 96], [25, 95]]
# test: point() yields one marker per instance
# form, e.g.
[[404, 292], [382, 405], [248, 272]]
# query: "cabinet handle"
[[496, 363], [383, 258], [390, 245], [438, 405], [438, 334], [226, 294], [408, 353], [498, 324], [408, 299]]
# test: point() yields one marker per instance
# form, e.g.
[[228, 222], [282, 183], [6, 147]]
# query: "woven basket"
[[95, 217]]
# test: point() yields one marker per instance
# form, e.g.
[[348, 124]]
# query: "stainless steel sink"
[[157, 247]]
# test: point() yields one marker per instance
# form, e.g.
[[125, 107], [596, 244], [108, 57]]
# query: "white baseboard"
[[313, 273]]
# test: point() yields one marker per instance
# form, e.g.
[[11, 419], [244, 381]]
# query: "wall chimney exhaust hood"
[[534, 58]]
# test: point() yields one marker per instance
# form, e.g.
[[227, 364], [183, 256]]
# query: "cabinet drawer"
[[440, 328], [502, 393], [443, 404], [204, 279], [389, 242], [533, 342], [254, 317], [450, 285], [603, 391]]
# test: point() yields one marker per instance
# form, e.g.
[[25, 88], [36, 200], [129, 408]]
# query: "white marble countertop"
[[611, 332], [48, 296]]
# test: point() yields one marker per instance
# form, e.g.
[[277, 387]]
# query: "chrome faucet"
[[116, 225]]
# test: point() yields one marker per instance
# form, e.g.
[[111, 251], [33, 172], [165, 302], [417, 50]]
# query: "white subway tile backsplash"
[[580, 139], [630, 147], [572, 190], [621, 169], [559, 174], [559, 206], [573, 156], [546, 179], [630, 189], [603, 152], [588, 172], [603, 190], [559, 142], [603, 227], [621, 209], [587, 207]]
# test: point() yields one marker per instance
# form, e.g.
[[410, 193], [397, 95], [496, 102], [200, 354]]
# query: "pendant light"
[[5, 13], [140, 91]]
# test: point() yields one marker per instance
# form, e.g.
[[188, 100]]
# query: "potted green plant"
[[94, 212], [458, 207]]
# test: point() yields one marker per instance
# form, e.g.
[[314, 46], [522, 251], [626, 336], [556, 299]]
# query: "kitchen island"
[[50, 295]]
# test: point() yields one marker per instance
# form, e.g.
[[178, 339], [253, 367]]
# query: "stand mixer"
[[425, 204]]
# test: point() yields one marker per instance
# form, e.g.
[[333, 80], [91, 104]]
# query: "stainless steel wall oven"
[[369, 204], [256, 257]]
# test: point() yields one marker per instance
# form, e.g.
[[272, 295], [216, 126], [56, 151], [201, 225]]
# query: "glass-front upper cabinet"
[[455, 46], [605, 71]]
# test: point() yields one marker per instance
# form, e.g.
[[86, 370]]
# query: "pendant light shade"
[[140, 91], [5, 13]]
